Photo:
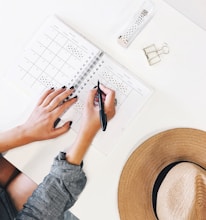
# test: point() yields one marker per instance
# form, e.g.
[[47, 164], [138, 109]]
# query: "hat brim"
[[148, 160]]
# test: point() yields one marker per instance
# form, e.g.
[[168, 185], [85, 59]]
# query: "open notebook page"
[[59, 56]]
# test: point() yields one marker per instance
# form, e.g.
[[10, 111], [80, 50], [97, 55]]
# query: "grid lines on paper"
[[54, 60]]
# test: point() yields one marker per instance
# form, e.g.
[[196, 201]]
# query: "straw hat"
[[165, 178]]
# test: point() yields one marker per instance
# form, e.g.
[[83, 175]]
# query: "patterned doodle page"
[[58, 56]]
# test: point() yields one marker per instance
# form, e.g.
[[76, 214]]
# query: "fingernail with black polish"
[[94, 87], [70, 123], [57, 122], [52, 88], [72, 87], [63, 87]]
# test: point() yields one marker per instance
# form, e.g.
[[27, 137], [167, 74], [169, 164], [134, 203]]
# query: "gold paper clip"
[[153, 53]]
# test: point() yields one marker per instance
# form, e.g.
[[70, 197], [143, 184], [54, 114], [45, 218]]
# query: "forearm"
[[77, 150], [13, 138]]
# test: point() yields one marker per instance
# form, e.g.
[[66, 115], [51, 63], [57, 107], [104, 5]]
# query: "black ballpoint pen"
[[102, 115]]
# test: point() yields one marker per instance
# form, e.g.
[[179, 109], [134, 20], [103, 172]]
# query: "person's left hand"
[[40, 124]]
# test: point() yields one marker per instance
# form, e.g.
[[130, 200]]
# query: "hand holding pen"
[[108, 99], [91, 115]]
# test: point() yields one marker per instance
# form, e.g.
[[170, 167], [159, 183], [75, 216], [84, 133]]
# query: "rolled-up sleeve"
[[57, 193]]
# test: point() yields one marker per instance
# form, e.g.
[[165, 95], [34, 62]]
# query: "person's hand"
[[91, 120], [40, 124], [90, 123]]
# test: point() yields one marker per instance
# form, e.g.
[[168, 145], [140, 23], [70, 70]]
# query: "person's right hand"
[[91, 119], [90, 123]]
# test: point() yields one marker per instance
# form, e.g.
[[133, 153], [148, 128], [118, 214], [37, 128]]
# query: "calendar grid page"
[[58, 56]]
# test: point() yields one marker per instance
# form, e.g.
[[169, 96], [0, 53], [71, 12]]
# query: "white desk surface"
[[179, 81]]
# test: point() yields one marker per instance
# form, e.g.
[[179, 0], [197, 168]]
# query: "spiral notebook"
[[59, 56]]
